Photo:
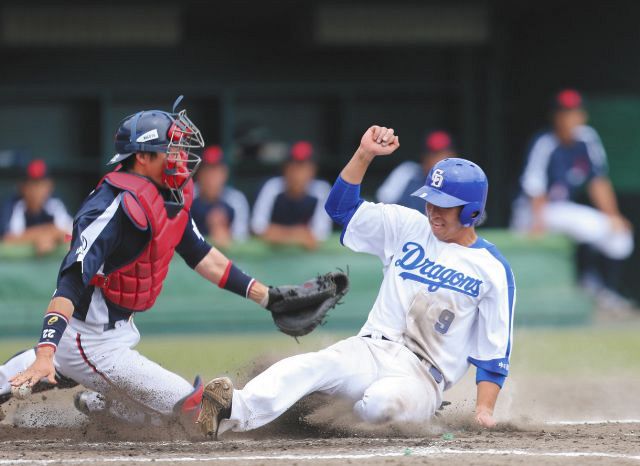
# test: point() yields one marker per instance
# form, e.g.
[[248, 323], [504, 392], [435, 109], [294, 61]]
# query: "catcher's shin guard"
[[189, 406], [216, 405]]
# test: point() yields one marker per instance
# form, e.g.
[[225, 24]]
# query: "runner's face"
[[445, 222]]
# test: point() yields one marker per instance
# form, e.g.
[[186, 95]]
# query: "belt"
[[111, 325], [433, 370], [96, 328]]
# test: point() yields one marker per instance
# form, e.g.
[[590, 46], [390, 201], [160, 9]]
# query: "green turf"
[[576, 351]]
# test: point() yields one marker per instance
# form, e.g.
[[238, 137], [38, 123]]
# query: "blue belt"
[[433, 370], [114, 324]]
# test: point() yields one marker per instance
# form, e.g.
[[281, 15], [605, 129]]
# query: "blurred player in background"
[[409, 176], [446, 302], [562, 164], [289, 209], [124, 237], [220, 211], [33, 216]]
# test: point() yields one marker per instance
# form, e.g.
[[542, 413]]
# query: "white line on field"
[[603, 421], [416, 452]]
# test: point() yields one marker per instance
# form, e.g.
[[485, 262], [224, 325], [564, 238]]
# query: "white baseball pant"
[[386, 381], [580, 222], [105, 361]]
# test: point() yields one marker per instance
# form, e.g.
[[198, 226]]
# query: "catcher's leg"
[[398, 399], [92, 404], [106, 363], [346, 368]]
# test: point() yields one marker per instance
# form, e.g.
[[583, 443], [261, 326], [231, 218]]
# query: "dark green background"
[[543, 271]]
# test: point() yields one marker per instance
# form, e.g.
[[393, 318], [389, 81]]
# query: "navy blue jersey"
[[15, 218], [273, 206], [289, 211], [560, 171], [413, 202], [404, 180], [235, 206], [104, 240], [201, 208]]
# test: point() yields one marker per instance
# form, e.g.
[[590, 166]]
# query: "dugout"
[[320, 70]]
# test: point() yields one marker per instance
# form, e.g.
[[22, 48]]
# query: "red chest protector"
[[136, 286]]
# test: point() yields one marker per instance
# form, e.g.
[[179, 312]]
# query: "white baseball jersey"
[[451, 304]]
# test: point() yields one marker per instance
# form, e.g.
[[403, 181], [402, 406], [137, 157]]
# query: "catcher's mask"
[[163, 132]]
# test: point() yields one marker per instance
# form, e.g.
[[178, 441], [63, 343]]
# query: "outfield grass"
[[575, 351]]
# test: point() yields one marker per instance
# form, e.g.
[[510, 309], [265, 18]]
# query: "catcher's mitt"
[[298, 309]]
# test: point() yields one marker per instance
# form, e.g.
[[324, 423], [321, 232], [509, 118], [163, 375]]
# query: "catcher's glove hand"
[[298, 309]]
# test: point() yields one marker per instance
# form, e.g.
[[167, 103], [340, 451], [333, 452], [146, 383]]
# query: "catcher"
[[124, 237]]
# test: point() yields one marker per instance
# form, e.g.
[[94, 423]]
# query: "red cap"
[[36, 170], [437, 141], [568, 99], [301, 151], [212, 155]]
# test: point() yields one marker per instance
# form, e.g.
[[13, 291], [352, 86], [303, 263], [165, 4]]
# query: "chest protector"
[[136, 285]]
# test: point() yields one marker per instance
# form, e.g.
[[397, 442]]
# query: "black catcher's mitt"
[[298, 309]]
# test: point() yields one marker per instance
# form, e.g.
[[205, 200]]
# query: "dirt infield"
[[582, 444], [544, 421]]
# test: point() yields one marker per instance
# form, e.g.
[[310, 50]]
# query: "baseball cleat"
[[216, 405]]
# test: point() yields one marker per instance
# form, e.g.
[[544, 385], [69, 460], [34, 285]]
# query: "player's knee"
[[620, 246], [376, 407]]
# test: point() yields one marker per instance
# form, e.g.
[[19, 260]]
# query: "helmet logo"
[[437, 178], [148, 136]]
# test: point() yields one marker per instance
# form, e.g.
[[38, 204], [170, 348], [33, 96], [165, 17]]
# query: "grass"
[[574, 351]]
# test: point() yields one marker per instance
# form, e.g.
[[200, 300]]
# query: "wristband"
[[52, 329], [236, 281]]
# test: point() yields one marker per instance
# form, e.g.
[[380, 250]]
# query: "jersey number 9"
[[444, 321]]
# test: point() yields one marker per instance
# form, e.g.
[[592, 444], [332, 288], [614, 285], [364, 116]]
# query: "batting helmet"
[[456, 182], [159, 131]]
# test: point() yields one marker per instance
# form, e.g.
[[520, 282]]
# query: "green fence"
[[543, 270]]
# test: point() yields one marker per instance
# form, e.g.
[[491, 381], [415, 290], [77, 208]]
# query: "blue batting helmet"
[[456, 182]]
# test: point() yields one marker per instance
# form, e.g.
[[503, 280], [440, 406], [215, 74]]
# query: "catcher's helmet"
[[146, 131], [457, 182], [159, 131]]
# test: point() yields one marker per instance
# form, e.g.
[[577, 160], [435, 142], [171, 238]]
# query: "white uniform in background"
[[557, 172], [440, 308]]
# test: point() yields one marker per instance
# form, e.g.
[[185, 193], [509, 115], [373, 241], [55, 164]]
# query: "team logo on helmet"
[[437, 178], [148, 136]]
